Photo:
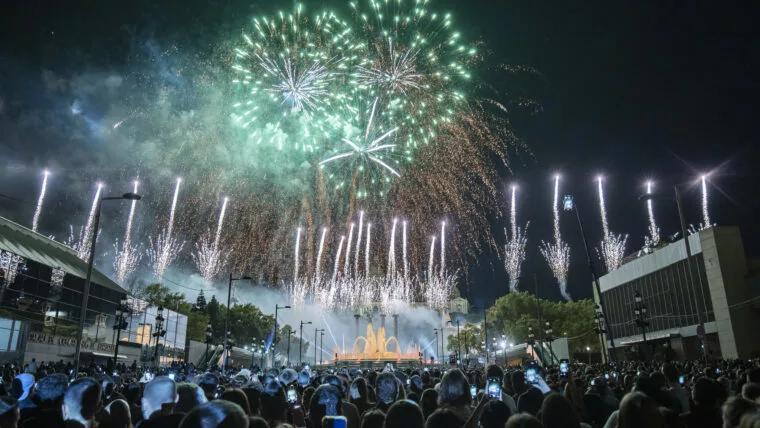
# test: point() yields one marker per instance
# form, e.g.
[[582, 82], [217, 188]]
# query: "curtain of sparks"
[[653, 239], [128, 256], [612, 246], [165, 249], [40, 201], [557, 254], [514, 249]]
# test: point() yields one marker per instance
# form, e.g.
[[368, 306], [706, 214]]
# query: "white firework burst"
[[395, 71], [612, 251], [126, 260], [163, 251], [209, 258], [10, 265]]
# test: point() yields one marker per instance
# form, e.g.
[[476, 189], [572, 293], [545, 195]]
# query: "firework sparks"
[[557, 254], [358, 243], [10, 264], [367, 155], [654, 232], [208, 257], [612, 249], [40, 201], [706, 222], [128, 256], [398, 76], [165, 248], [346, 263], [296, 263], [514, 249], [82, 243]]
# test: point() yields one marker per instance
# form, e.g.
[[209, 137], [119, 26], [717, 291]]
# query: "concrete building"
[[721, 295], [41, 286]]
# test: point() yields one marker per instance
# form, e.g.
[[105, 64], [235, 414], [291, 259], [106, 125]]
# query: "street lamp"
[[316, 342], [600, 330], [459, 342], [120, 323], [588, 351], [689, 262], [435, 331], [290, 334], [90, 263], [550, 338], [300, 344], [274, 341], [227, 319], [321, 344], [569, 204], [640, 311], [159, 333]]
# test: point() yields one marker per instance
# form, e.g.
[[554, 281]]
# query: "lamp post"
[[459, 342], [588, 351], [599, 329], [549, 338], [321, 349], [570, 205], [300, 344], [435, 331], [290, 333], [531, 339], [316, 342], [227, 319], [159, 333], [90, 263], [120, 323], [689, 262], [640, 311], [274, 341]]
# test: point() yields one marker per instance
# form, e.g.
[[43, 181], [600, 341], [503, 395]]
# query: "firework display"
[[612, 248], [389, 291], [514, 249], [705, 211], [40, 201], [209, 257], [557, 253], [164, 249], [82, 242], [653, 239], [128, 256]]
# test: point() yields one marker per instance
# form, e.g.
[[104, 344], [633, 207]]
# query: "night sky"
[[631, 90]]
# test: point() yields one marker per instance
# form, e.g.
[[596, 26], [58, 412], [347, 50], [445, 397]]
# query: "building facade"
[[716, 294], [41, 293]]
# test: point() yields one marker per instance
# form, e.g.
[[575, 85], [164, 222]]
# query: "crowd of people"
[[624, 394]]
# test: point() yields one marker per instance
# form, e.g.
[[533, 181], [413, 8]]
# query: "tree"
[[248, 325], [158, 295], [513, 313], [472, 339]]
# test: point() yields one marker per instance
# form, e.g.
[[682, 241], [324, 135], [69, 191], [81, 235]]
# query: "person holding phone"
[[672, 377]]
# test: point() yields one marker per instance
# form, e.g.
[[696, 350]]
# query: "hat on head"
[[27, 382], [288, 376]]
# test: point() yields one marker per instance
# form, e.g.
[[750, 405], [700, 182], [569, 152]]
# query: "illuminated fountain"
[[376, 347]]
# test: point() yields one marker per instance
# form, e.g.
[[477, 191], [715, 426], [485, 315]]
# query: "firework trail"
[[295, 263], [358, 243], [431, 259], [557, 254], [366, 251], [165, 249], [391, 272], [127, 257], [443, 249], [84, 241], [654, 232], [337, 258], [40, 201], [514, 249], [319, 254], [612, 249], [346, 263], [208, 257], [706, 222], [406, 261]]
